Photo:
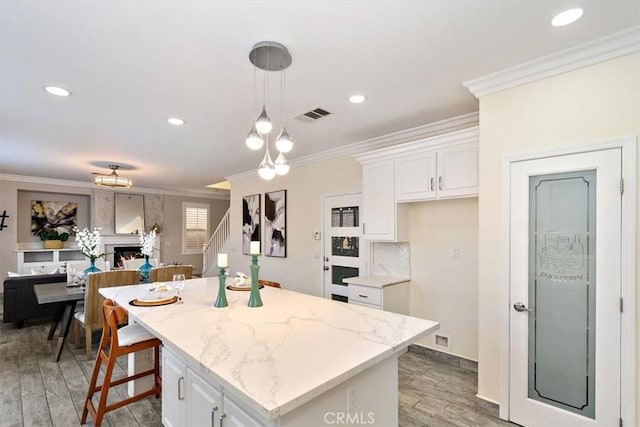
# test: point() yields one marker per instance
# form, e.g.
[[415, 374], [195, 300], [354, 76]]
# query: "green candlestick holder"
[[221, 300], [254, 297]]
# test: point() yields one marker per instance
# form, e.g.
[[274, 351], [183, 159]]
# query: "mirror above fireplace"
[[129, 213]]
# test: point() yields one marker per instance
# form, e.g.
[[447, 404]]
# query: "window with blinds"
[[196, 227]]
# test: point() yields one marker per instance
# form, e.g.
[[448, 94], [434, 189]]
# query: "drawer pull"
[[180, 396], [213, 416], [363, 296], [439, 183], [431, 181]]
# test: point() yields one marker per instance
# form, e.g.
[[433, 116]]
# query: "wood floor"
[[36, 391]]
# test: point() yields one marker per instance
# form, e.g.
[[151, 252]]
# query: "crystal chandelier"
[[270, 56]]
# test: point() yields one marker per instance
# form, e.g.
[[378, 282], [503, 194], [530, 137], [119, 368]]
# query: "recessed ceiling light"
[[567, 17], [175, 121], [357, 99], [57, 91]]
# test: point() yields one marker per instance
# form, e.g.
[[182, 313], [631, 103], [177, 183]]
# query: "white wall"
[[301, 270], [591, 104], [444, 288], [172, 228]]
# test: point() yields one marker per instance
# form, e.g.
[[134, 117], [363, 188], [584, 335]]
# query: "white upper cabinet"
[[416, 177], [380, 216], [447, 172], [458, 171], [440, 167]]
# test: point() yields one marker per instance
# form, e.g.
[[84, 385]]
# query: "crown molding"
[[462, 136], [417, 133], [224, 195], [599, 50]]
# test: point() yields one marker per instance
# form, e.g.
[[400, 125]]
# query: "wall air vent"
[[313, 115]]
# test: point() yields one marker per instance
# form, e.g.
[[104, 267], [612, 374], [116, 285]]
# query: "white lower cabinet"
[[190, 400], [393, 298]]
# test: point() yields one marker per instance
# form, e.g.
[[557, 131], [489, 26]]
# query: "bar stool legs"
[[132, 338]]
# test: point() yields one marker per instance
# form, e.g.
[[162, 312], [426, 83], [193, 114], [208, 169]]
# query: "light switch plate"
[[317, 235]]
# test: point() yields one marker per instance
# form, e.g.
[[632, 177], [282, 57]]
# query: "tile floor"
[[36, 391]]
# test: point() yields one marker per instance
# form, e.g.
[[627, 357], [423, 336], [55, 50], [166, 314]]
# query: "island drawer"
[[365, 294]]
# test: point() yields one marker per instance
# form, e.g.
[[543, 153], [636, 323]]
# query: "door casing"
[[628, 269]]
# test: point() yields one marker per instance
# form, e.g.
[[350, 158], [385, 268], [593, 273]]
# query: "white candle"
[[254, 248], [222, 261]]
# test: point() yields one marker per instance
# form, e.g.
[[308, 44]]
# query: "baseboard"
[[448, 358]]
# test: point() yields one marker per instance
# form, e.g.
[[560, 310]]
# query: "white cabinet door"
[[234, 416], [173, 390], [379, 202], [416, 177], [204, 403], [458, 171]]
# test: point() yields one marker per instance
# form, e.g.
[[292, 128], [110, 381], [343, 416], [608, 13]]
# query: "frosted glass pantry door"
[[565, 285]]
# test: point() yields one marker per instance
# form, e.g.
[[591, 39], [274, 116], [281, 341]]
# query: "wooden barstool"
[[114, 343]]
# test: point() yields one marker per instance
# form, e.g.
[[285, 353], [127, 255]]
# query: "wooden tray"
[[163, 301], [242, 288]]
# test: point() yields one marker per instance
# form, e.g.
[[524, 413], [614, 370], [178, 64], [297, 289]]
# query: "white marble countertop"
[[278, 356], [375, 281]]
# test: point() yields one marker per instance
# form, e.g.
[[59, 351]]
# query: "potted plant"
[[52, 239]]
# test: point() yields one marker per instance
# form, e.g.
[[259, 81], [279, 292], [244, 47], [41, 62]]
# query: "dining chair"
[[165, 274], [269, 283], [91, 317], [116, 342]]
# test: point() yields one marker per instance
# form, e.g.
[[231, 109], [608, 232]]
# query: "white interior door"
[[344, 250], [565, 289]]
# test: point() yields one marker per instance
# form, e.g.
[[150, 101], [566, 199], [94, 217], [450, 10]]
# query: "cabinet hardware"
[[439, 183], [180, 396], [431, 183], [222, 417], [213, 416], [326, 268], [363, 296]]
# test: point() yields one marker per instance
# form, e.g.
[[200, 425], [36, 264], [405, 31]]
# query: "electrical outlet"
[[455, 253], [352, 398]]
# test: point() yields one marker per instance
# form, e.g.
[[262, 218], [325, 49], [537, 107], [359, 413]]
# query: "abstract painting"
[[275, 223], [250, 221], [59, 216]]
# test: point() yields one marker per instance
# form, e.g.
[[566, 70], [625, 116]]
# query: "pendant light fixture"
[[267, 169], [113, 179], [270, 56]]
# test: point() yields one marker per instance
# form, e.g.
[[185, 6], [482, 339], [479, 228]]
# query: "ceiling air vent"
[[313, 115]]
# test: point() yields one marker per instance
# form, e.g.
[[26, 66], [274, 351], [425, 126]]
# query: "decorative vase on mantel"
[[92, 268], [145, 270]]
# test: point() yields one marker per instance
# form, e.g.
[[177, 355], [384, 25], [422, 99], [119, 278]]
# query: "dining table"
[[65, 295]]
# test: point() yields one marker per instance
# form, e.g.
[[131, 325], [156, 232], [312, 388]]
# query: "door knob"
[[520, 307]]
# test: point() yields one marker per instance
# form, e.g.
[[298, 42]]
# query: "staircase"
[[213, 246]]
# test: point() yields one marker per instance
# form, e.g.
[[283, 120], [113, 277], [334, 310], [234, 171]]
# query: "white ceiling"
[[131, 65]]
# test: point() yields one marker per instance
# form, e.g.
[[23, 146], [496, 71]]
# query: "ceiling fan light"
[[254, 140], [282, 165], [263, 123], [284, 142]]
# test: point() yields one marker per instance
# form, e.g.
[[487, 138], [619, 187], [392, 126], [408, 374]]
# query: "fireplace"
[[130, 243], [125, 252]]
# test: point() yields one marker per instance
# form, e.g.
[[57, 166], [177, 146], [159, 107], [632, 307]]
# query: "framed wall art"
[[250, 221], [275, 224], [59, 216]]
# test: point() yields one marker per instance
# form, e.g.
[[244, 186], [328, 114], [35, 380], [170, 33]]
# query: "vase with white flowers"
[[148, 242], [89, 243]]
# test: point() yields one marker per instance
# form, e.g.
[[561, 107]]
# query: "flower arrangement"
[[89, 243], [148, 241]]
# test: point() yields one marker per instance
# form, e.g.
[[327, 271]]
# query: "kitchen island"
[[298, 360]]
